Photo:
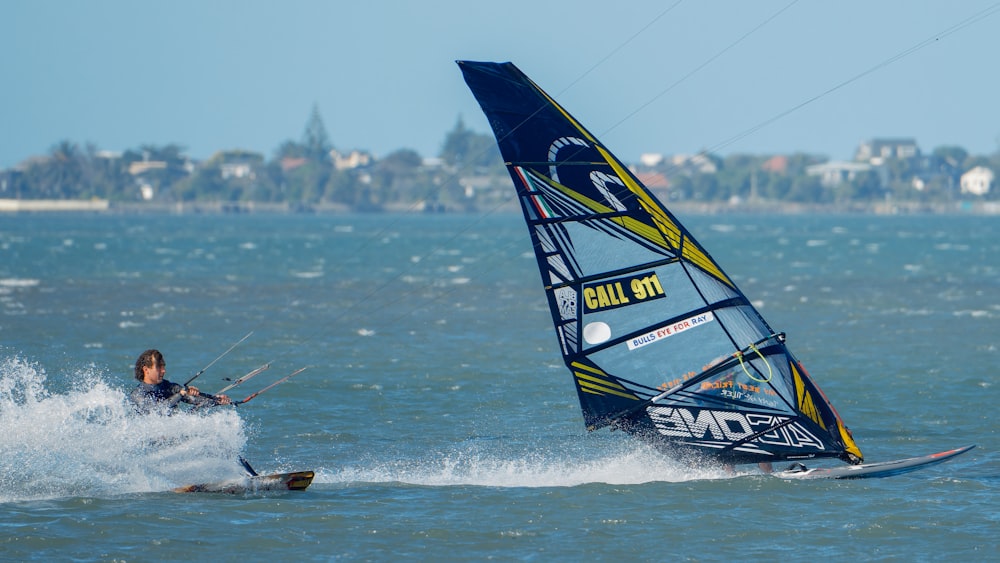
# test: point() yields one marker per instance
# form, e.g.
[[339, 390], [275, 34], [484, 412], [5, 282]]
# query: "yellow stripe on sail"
[[604, 382], [849, 444], [591, 388], [578, 365], [805, 400], [597, 383]]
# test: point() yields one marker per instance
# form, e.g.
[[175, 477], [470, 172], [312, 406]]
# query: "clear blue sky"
[[645, 76]]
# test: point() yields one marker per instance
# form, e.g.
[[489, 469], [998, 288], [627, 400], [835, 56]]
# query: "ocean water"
[[435, 409]]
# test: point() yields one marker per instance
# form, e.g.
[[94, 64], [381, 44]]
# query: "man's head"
[[150, 359]]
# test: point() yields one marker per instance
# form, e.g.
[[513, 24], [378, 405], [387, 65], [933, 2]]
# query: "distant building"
[[834, 173], [473, 184], [653, 180], [237, 164], [652, 167], [776, 164], [977, 181], [237, 170], [650, 159], [140, 167], [876, 151], [289, 163], [689, 164], [354, 159]]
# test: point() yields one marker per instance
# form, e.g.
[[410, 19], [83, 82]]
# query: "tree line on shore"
[[466, 175]]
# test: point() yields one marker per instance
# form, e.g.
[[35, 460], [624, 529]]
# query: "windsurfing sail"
[[659, 340]]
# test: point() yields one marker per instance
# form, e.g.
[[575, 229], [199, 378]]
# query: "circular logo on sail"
[[596, 333]]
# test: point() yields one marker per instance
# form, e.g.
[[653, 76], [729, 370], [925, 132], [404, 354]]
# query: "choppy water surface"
[[435, 409]]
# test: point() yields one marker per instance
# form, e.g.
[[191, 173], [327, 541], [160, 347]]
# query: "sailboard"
[[871, 470], [659, 340], [293, 481]]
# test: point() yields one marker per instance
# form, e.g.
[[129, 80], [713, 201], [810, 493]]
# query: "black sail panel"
[[658, 339]]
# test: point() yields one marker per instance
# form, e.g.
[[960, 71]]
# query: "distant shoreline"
[[100, 206]]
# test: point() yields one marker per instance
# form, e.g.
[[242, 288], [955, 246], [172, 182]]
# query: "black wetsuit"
[[166, 395]]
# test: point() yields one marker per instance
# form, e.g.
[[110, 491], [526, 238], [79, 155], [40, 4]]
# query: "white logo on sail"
[[597, 333], [670, 330]]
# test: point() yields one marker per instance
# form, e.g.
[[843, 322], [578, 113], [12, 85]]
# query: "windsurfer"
[[153, 392]]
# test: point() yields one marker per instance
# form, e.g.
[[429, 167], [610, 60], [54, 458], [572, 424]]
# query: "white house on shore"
[[977, 181], [877, 151], [833, 173]]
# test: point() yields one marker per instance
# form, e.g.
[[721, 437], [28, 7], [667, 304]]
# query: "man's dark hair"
[[147, 359]]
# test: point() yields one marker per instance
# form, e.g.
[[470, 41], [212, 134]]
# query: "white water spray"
[[88, 441], [554, 465]]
